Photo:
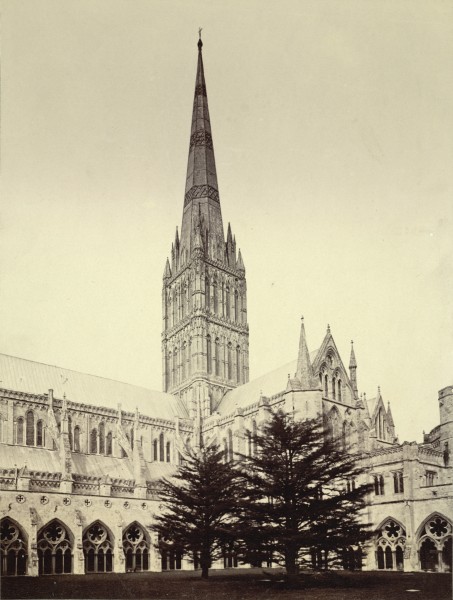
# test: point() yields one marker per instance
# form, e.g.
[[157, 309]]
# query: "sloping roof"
[[268, 384], [35, 459], [23, 375]]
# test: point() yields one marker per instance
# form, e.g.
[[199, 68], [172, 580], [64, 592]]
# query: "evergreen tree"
[[200, 504], [303, 496]]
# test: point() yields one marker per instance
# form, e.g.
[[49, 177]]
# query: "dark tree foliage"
[[303, 499], [199, 506]]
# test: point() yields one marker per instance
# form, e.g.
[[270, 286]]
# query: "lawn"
[[238, 584]]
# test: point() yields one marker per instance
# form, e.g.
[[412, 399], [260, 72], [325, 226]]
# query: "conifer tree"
[[303, 496], [200, 503]]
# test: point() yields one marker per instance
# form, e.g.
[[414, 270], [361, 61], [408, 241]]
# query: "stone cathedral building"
[[80, 455]]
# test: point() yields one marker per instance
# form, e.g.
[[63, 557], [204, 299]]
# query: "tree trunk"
[[292, 569], [205, 564]]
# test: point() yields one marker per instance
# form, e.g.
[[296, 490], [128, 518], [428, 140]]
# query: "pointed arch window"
[[208, 354], [94, 441], [216, 297], [161, 448], [76, 438], [54, 549], [435, 544], [207, 294], [13, 548], [391, 542], [217, 356], [136, 548], [339, 389], [98, 549], [30, 429], [155, 451], [168, 452], [326, 386], [238, 364], [236, 306], [229, 359], [101, 438], [227, 301], [334, 388], [39, 434], [109, 444], [183, 360]]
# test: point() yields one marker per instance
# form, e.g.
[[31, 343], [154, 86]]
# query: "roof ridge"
[[37, 362]]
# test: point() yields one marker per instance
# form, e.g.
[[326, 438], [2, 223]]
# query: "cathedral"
[[81, 455]]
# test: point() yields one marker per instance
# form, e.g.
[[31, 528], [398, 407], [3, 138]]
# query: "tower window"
[[227, 302], [333, 388], [109, 449], [208, 354], [217, 356], [326, 386], [236, 306], [339, 389], [168, 452], [155, 452], [229, 361], [207, 293], [238, 364]]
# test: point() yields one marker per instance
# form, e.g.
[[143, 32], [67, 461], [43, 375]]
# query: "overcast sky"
[[332, 126]]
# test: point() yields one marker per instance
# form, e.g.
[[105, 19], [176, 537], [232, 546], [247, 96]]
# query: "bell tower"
[[204, 296]]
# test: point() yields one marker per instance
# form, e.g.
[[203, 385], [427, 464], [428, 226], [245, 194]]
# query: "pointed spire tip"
[[200, 43]]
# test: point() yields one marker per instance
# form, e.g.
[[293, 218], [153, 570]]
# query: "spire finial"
[[328, 328], [200, 43]]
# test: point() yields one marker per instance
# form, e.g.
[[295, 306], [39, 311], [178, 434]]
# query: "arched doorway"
[[13, 549], [54, 549], [136, 548], [98, 548], [435, 544], [390, 542]]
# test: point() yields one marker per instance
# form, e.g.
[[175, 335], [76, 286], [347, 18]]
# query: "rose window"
[[392, 529], [8, 532], [54, 533], [438, 527], [134, 534], [97, 534]]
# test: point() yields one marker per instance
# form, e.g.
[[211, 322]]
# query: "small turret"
[[240, 263], [353, 371], [304, 371], [167, 270]]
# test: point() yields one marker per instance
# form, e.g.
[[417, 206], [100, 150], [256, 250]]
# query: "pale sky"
[[332, 127]]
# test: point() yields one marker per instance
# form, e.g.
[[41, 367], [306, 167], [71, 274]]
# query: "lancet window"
[[94, 441], [30, 429], [76, 438], [39, 433], [20, 430]]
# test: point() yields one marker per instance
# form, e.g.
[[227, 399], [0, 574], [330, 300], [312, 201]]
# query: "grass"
[[238, 584]]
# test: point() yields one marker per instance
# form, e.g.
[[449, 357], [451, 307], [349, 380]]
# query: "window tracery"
[[391, 542], [136, 548], [98, 549], [54, 549], [435, 545], [13, 549]]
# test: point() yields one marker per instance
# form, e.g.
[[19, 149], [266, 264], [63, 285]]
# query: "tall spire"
[[201, 181], [304, 369], [353, 371]]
